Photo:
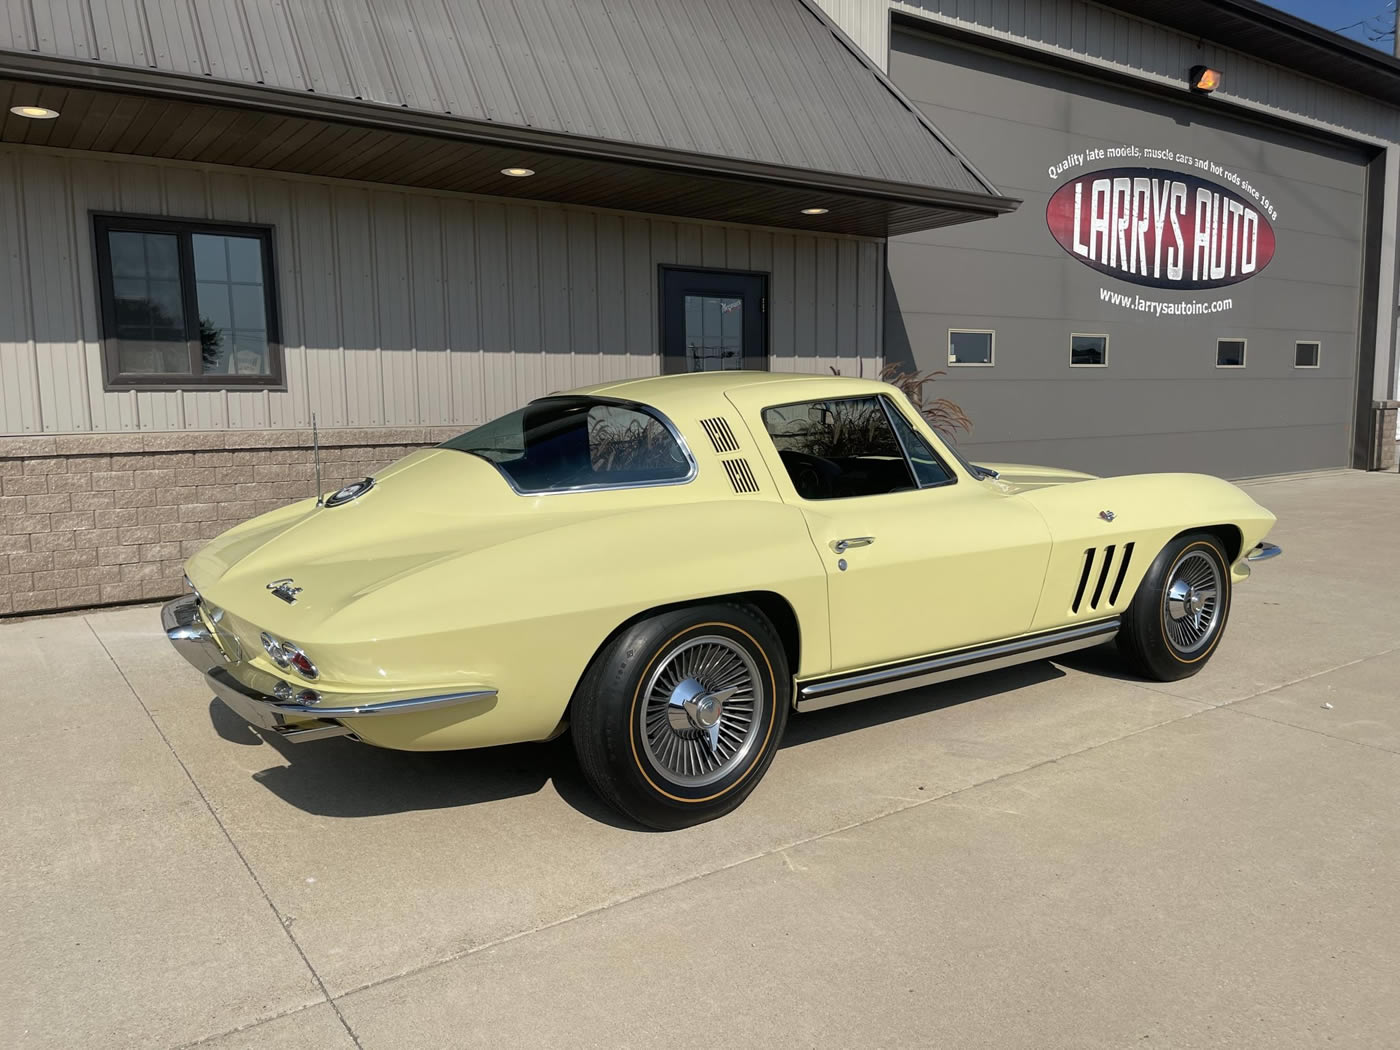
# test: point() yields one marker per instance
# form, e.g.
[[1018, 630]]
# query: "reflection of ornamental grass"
[[946, 417], [635, 446]]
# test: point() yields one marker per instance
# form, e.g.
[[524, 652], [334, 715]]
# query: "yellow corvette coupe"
[[667, 567]]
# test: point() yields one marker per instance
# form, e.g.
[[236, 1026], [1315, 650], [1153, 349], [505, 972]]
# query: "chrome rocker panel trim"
[[249, 691], [959, 663], [1263, 552]]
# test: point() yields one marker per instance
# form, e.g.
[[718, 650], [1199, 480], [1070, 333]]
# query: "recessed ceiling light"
[[814, 211], [34, 112], [518, 173]]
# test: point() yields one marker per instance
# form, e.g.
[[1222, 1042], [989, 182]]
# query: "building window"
[[187, 304], [968, 346], [1229, 353], [1307, 354], [1088, 351]]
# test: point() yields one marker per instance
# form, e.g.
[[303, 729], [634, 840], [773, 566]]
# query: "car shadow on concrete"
[[346, 779]]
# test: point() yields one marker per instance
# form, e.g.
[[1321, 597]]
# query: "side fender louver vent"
[[720, 435], [1105, 567], [740, 476]]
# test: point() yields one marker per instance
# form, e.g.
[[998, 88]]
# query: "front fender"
[[1147, 511]]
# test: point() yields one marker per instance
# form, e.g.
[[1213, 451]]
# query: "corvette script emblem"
[[285, 590]]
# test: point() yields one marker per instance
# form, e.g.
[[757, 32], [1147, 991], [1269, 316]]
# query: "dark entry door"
[[713, 320]]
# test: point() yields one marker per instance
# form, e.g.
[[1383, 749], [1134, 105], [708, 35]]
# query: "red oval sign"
[[1164, 229]]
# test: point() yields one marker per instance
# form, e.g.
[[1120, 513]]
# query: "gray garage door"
[[1149, 299]]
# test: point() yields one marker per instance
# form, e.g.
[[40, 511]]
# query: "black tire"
[[1170, 635], [623, 708]]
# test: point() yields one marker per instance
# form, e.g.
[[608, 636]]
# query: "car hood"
[[1020, 477], [432, 506]]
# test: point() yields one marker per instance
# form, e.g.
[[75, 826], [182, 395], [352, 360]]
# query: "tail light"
[[289, 656]]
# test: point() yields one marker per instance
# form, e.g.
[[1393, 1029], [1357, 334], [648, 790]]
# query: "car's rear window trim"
[[636, 406]]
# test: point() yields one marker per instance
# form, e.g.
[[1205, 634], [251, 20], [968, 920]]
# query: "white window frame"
[[1307, 342], [991, 352], [1088, 335], [1244, 350]]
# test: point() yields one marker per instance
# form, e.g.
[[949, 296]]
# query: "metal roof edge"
[[1202, 19], [206, 90], [889, 85]]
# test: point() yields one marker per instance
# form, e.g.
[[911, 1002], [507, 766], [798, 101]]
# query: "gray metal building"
[[223, 219]]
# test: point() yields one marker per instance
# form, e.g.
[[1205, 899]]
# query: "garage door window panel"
[[971, 347], [1230, 353], [1307, 354], [1088, 351]]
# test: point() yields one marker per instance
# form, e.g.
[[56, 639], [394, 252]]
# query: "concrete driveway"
[[1052, 856]]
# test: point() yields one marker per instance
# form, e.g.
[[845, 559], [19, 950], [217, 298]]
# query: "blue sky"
[[1334, 14]]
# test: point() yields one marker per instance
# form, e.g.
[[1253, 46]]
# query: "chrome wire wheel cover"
[[700, 711], [1192, 602]]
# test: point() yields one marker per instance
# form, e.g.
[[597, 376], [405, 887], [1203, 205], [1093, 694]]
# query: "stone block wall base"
[[99, 519]]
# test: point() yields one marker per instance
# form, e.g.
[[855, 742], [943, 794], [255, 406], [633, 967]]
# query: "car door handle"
[[841, 546]]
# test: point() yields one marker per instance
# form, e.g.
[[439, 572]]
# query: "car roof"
[[699, 391]]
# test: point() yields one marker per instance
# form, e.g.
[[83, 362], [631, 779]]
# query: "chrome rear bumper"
[[1263, 551], [275, 703]]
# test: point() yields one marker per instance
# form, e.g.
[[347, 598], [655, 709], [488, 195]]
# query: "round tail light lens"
[[300, 663]]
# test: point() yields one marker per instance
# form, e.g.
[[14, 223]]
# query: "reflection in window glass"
[[1088, 350], [928, 468], [714, 333], [232, 304], [1229, 353], [969, 347], [578, 442], [840, 448], [149, 313], [1307, 354]]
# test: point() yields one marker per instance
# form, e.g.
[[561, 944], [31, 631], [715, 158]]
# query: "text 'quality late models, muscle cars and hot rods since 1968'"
[[668, 567]]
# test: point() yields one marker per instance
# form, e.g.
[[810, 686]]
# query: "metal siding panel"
[[499, 387], [272, 39], [369, 65], [583, 298], [845, 300], [514, 48], [612, 295], [639, 280], [782, 302], [804, 311], [465, 354], [356, 266], [324, 63], [429, 309], [272, 203], [825, 304], [555, 331], [394, 309], [315, 259], [19, 375], [96, 188], [405, 54], [522, 230]]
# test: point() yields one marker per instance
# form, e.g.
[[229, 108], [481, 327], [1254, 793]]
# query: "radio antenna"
[[316, 455]]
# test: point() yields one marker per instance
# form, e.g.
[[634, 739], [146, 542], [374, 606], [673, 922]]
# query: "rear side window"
[[838, 448], [563, 443]]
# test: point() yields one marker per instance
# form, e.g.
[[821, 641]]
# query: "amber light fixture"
[[815, 211], [1204, 79], [34, 112], [518, 173]]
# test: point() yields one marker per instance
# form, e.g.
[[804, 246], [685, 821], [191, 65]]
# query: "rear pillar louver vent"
[[720, 435], [1105, 567], [740, 476]]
